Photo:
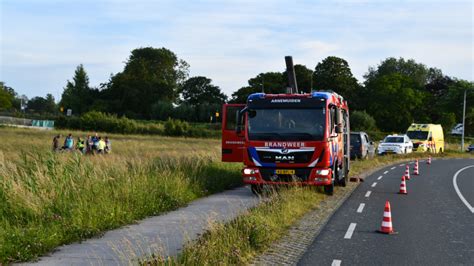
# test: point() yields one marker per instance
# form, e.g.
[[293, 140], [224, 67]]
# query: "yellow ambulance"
[[426, 137]]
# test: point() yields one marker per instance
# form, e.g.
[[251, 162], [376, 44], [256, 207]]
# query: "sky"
[[43, 41]]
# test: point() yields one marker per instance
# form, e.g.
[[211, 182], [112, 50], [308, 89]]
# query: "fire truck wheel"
[[342, 181], [329, 189], [256, 189]]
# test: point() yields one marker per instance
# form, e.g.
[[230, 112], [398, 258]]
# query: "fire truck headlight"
[[322, 172], [248, 171]]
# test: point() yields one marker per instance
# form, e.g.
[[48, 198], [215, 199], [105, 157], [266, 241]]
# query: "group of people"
[[90, 145]]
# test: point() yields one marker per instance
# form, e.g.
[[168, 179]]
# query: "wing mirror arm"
[[240, 114]]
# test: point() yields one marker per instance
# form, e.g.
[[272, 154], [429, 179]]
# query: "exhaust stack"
[[290, 70]]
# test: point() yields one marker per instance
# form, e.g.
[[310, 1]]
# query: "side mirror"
[[339, 121], [239, 120]]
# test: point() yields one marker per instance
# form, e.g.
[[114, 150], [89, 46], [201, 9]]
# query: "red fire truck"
[[293, 138]]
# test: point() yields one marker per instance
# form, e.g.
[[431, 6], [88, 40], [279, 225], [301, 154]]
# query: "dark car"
[[470, 148], [361, 146]]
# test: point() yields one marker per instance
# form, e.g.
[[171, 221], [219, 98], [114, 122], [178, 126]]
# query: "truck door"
[[232, 143]]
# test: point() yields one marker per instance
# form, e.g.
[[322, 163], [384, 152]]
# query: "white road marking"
[[361, 208], [402, 164], [380, 177], [385, 172], [374, 184], [336, 263], [392, 168], [350, 231], [457, 189], [368, 194]]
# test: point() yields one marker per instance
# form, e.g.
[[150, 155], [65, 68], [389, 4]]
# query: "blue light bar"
[[319, 94], [258, 95]]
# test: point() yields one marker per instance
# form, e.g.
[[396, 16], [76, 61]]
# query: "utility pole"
[[463, 122], [312, 73]]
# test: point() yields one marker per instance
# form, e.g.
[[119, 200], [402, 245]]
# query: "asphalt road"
[[434, 222]]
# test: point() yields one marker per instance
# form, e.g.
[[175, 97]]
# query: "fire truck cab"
[[295, 139]]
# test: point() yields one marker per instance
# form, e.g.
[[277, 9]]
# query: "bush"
[[362, 121], [176, 128], [98, 121]]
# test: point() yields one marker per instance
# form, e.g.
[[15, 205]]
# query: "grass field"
[[48, 199]]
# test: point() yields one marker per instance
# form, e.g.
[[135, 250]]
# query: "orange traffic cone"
[[403, 187], [429, 160], [407, 172], [386, 227], [415, 170]]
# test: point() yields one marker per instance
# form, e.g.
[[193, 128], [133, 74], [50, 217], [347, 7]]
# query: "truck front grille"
[[292, 157]]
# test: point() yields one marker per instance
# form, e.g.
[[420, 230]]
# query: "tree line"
[[155, 84]]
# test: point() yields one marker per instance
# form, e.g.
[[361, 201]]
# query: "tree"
[[452, 100], [394, 103], [240, 95], [77, 95], [273, 82], [200, 91], [333, 73], [469, 131], [6, 96], [437, 88], [269, 82], [202, 97], [150, 75], [42, 105], [303, 78], [395, 93], [418, 73], [362, 121], [162, 110], [447, 121]]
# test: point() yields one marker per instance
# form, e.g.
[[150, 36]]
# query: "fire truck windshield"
[[286, 124]]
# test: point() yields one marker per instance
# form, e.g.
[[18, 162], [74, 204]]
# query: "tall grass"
[[48, 199]]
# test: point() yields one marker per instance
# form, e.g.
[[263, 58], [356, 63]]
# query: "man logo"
[[284, 151], [284, 158]]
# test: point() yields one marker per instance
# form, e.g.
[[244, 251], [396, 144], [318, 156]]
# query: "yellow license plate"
[[285, 172]]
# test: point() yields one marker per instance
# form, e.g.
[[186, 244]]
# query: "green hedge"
[[98, 121]]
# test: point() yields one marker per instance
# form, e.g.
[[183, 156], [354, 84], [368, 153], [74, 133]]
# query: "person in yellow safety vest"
[[80, 145], [101, 146]]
